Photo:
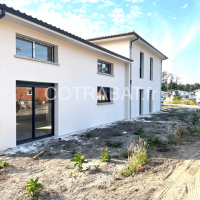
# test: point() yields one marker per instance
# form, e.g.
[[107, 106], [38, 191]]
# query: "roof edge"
[[58, 30], [126, 34]]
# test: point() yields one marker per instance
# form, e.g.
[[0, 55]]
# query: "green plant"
[[33, 187], [138, 131], [172, 138], [79, 159], [151, 140], [66, 166], [74, 151], [136, 159], [114, 145], [88, 135], [3, 164], [97, 167], [117, 134], [70, 174], [181, 117], [171, 115], [195, 118], [173, 148], [125, 154], [105, 157]]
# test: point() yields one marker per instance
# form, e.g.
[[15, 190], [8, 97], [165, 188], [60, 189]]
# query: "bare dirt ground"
[[172, 174]]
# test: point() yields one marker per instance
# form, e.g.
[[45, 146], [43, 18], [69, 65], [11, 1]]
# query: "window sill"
[[105, 74], [34, 59], [105, 103]]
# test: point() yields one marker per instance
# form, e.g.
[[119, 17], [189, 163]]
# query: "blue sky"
[[171, 26]]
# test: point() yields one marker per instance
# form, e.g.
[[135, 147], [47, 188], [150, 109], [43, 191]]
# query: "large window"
[[141, 65], [151, 69], [32, 49], [104, 67], [103, 94]]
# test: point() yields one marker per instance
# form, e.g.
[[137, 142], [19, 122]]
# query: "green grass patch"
[[114, 144], [117, 134], [3, 164]]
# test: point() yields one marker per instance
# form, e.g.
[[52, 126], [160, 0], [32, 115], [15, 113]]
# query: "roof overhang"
[[34, 24], [131, 36]]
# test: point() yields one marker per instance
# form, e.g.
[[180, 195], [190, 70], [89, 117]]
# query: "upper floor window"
[[34, 49], [104, 67], [141, 65], [151, 69]]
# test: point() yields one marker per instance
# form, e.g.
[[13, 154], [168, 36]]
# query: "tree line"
[[171, 81]]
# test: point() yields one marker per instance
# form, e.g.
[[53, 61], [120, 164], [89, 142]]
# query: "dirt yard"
[[171, 172]]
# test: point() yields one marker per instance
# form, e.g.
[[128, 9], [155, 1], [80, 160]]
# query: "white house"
[[55, 83]]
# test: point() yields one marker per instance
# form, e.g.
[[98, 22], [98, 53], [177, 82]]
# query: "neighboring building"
[[197, 94], [53, 80], [146, 70]]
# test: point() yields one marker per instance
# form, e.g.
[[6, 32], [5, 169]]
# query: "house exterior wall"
[[78, 68], [122, 46]]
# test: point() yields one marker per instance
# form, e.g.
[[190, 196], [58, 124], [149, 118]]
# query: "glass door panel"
[[24, 113], [43, 112]]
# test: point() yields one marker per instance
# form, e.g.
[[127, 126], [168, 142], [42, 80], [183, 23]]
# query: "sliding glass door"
[[34, 111]]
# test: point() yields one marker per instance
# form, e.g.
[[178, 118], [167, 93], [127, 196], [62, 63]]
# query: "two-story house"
[[145, 70], [55, 83]]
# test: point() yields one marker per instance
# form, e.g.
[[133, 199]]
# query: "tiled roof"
[[54, 28], [126, 34]]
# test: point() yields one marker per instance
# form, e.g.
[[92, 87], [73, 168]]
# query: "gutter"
[[2, 13], [131, 55]]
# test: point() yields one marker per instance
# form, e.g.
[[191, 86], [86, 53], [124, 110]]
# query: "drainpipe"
[[2, 13], [131, 56]]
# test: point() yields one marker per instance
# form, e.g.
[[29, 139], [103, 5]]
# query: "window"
[[140, 102], [104, 67], [151, 69], [141, 65], [33, 49], [150, 101], [103, 94], [29, 92]]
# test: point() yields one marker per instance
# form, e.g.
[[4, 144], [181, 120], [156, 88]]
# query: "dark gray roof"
[[126, 34], [54, 28]]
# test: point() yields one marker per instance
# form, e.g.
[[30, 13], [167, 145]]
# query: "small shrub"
[[138, 131], [195, 129], [79, 159], [136, 159], [33, 187], [105, 157], [195, 118], [117, 134], [74, 151], [114, 145], [125, 154], [181, 117], [151, 140], [66, 166], [70, 174], [172, 138], [89, 135], [181, 130], [3, 164]]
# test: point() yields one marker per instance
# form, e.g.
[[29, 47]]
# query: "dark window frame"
[[108, 65], [106, 93], [36, 42]]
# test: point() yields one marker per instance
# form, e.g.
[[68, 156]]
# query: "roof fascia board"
[[132, 34], [26, 23]]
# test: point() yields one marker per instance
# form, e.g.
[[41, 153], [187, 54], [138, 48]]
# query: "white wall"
[[122, 46], [78, 68]]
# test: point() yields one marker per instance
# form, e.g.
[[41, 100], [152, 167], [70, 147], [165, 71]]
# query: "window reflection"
[[43, 52], [24, 48]]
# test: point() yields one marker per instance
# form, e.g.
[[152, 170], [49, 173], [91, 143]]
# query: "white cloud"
[[154, 3], [59, 5], [185, 6], [149, 14], [174, 18], [135, 1], [102, 16], [95, 14], [43, 0], [85, 1], [106, 4]]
